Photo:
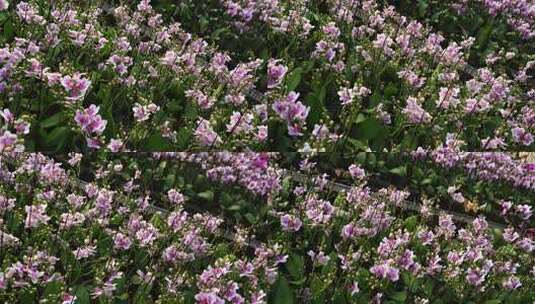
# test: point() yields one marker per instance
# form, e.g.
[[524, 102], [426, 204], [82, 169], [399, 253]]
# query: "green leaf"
[[235, 207], [282, 292], [52, 120], [375, 99], [411, 223], [410, 281], [52, 289], [174, 106], [294, 79], [422, 8], [339, 297], [296, 266], [251, 218], [316, 109], [58, 137], [484, 35], [429, 286], [360, 118], [27, 297], [322, 93], [184, 138], [207, 195], [369, 128], [401, 171], [9, 30], [390, 91], [82, 295], [400, 296], [299, 282], [191, 111], [318, 286], [156, 142]]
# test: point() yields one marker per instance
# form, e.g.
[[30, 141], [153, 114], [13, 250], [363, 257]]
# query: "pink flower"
[[448, 97], [475, 277], [35, 215], [115, 145], [290, 223], [175, 196], [415, 113], [240, 123], [356, 171], [90, 121], [121, 241], [512, 283], [7, 141], [205, 134], [276, 73], [293, 112], [68, 299], [208, 298], [147, 235], [75, 85], [4, 5], [142, 113], [262, 133], [204, 101], [520, 135], [7, 115], [385, 271], [354, 288], [347, 95]]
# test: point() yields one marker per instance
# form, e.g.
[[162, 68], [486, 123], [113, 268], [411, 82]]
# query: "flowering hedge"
[[342, 75], [267, 151], [216, 227]]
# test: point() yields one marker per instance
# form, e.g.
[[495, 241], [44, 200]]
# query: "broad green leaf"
[[156, 142], [339, 297], [207, 195], [411, 223], [400, 296], [375, 99], [82, 295], [52, 289], [52, 120], [184, 138], [369, 128], [294, 79], [282, 292], [316, 109], [9, 30], [58, 137], [27, 297], [401, 171], [296, 266]]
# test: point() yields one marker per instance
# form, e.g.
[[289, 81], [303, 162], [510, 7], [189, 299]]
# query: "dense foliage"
[[338, 75], [267, 151], [257, 227]]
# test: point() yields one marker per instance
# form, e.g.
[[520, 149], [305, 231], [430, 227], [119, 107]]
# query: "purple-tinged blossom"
[[415, 113], [293, 112], [276, 73], [290, 223], [35, 216], [76, 86], [90, 121]]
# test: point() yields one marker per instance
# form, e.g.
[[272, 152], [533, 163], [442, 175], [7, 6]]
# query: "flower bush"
[[261, 227], [343, 75], [267, 151]]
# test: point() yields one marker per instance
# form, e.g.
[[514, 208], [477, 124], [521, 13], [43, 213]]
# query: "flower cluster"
[[139, 214], [186, 87]]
